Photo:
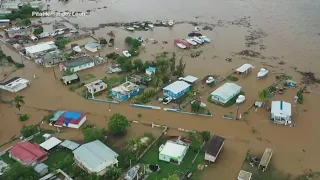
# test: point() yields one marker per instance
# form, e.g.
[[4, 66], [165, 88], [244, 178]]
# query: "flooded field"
[[289, 40]]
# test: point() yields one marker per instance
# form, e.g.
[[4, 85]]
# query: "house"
[[69, 145], [281, 112], [95, 157], [11, 5], [291, 84], [225, 93], [73, 78], [27, 153], [18, 31], [92, 46], [176, 89], [173, 152], [15, 84], [40, 49], [50, 143], [244, 69], [77, 64], [244, 175], [96, 86], [150, 70], [125, 91], [68, 119], [57, 175], [189, 79], [4, 23], [214, 148], [42, 169], [51, 59]]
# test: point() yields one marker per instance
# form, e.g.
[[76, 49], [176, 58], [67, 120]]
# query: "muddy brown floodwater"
[[284, 34]]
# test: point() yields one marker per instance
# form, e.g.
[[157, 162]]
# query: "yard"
[[152, 157], [60, 159]]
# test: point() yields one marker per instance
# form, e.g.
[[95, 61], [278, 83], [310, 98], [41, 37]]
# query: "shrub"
[[118, 124], [300, 97], [232, 78], [92, 134], [23, 117], [38, 31], [27, 131]]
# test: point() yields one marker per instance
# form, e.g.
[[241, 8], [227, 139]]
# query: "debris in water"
[[207, 28], [250, 53], [255, 38], [281, 63], [195, 54], [309, 78]]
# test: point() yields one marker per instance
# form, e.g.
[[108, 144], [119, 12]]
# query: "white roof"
[[69, 144], [46, 135], [226, 90], [95, 156], [190, 79], [94, 84], [177, 86], [50, 143], [172, 149], [281, 107], [40, 47], [244, 67]]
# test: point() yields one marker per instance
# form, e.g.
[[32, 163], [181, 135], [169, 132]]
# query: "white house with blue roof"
[[150, 70], [176, 89], [281, 112]]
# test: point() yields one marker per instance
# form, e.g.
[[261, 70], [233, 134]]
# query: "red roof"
[[28, 152], [61, 120]]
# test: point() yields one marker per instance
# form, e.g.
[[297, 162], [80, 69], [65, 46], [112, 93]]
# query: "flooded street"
[[291, 29]]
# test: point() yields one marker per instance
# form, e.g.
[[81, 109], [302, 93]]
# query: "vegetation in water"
[[23, 117], [27, 131], [118, 124]]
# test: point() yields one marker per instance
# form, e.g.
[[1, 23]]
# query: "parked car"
[[167, 100]]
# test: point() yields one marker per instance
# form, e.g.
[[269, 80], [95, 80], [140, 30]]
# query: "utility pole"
[[54, 73], [237, 112]]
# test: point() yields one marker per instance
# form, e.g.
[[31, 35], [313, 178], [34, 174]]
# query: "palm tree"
[[264, 95], [18, 100], [134, 143], [158, 78]]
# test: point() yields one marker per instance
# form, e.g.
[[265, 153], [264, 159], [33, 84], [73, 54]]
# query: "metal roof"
[[173, 150], [95, 156], [69, 145], [70, 77], [281, 107], [190, 79], [40, 167], [41, 47], [50, 143], [78, 62], [244, 68], [226, 90], [177, 86]]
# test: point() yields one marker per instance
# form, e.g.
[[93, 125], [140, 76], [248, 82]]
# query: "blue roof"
[[151, 69], [57, 115], [93, 44], [72, 115]]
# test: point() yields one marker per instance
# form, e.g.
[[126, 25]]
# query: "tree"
[[113, 173], [196, 141], [172, 64], [205, 135], [180, 68], [172, 177], [157, 79], [138, 65], [196, 107], [128, 40], [264, 95], [18, 171], [103, 41], [18, 101], [27, 131], [118, 124], [38, 31], [92, 134], [134, 144], [130, 157], [127, 65], [61, 43]]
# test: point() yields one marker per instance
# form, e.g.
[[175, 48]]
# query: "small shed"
[[173, 152], [214, 147], [281, 112], [69, 145], [291, 84], [244, 175], [92, 46], [176, 89], [150, 70], [46, 136], [244, 69], [225, 93], [258, 104], [189, 79], [41, 169], [73, 78], [50, 143]]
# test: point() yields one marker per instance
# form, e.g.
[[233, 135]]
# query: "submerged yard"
[[152, 157]]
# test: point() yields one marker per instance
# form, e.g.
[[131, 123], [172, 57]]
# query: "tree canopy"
[[118, 124], [18, 101], [27, 131], [38, 31], [61, 43], [113, 173], [92, 134], [18, 171]]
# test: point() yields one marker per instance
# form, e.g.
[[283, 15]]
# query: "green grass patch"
[[5, 157], [229, 103], [74, 87], [232, 78], [60, 159], [37, 139], [114, 81], [152, 157], [87, 77]]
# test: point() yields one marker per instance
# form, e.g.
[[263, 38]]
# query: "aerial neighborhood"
[[115, 103]]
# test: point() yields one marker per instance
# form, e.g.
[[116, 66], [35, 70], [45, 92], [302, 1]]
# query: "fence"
[[106, 101], [184, 112], [146, 106]]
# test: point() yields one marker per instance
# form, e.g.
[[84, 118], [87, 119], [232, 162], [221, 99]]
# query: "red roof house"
[[27, 153]]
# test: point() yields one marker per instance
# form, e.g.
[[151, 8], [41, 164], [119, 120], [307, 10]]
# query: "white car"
[[126, 53], [167, 100]]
